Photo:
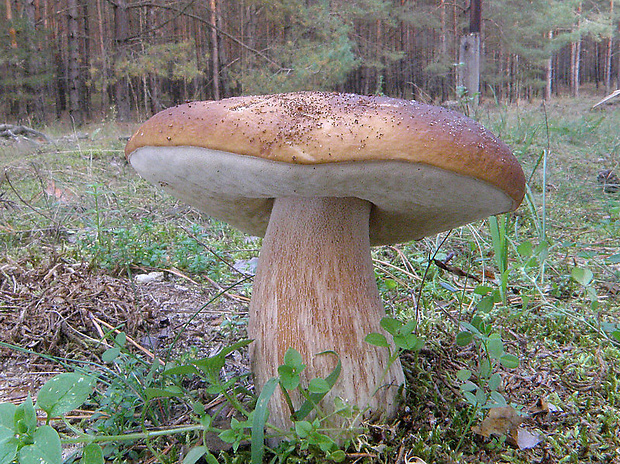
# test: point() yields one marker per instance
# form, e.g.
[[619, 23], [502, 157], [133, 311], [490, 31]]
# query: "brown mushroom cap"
[[425, 169]]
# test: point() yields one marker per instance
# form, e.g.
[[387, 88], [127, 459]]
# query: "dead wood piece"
[[12, 131], [607, 98]]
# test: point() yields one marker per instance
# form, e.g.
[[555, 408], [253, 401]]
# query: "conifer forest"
[[126, 59]]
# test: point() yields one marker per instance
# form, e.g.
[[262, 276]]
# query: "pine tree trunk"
[[549, 73], [610, 49], [9, 19], [575, 64], [105, 68], [215, 57], [73, 56], [121, 86], [469, 54], [33, 65], [84, 64]]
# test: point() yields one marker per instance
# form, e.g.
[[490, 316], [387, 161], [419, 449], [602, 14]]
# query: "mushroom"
[[322, 177]]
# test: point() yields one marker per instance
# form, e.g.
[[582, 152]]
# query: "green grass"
[[547, 313]]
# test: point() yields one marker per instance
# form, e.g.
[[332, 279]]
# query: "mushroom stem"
[[315, 291]]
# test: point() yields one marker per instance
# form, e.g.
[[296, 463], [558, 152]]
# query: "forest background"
[[127, 59]]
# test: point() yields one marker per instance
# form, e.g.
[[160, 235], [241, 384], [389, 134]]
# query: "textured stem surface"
[[315, 290]]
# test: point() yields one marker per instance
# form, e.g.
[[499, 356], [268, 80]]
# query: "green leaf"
[[495, 382], [377, 339], [234, 347], [463, 375], [303, 428], [482, 290], [342, 409], [408, 342], [390, 325], [45, 449], [525, 249], [7, 415], [25, 416], [290, 370], [473, 327], [314, 398], [487, 303], [92, 454], [111, 354], [337, 456], [289, 377], [613, 259], [616, 334], [542, 251], [470, 398], [318, 386], [212, 365], [468, 387], [210, 458], [407, 328], [390, 284], [8, 444], [169, 392], [293, 359], [195, 454], [485, 368], [509, 361], [185, 369], [120, 339], [495, 346], [64, 393], [481, 396], [325, 443], [258, 421], [464, 338], [498, 399], [582, 276], [228, 436]]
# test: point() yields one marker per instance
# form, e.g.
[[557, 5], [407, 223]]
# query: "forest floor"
[[90, 250]]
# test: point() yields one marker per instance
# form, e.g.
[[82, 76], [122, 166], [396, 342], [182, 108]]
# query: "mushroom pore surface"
[[410, 200]]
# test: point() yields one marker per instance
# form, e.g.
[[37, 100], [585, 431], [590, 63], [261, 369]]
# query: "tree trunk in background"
[[575, 58], [469, 64], [215, 56], [84, 64], [443, 46], [121, 84], [469, 54], [15, 90], [73, 57], [33, 65], [105, 71], [610, 50], [9, 19], [549, 72], [574, 67]]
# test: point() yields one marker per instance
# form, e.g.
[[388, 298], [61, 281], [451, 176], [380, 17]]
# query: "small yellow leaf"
[[500, 421]]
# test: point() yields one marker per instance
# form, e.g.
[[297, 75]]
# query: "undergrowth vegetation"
[[508, 329]]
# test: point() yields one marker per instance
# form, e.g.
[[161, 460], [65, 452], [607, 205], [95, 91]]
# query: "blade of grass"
[[259, 419]]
